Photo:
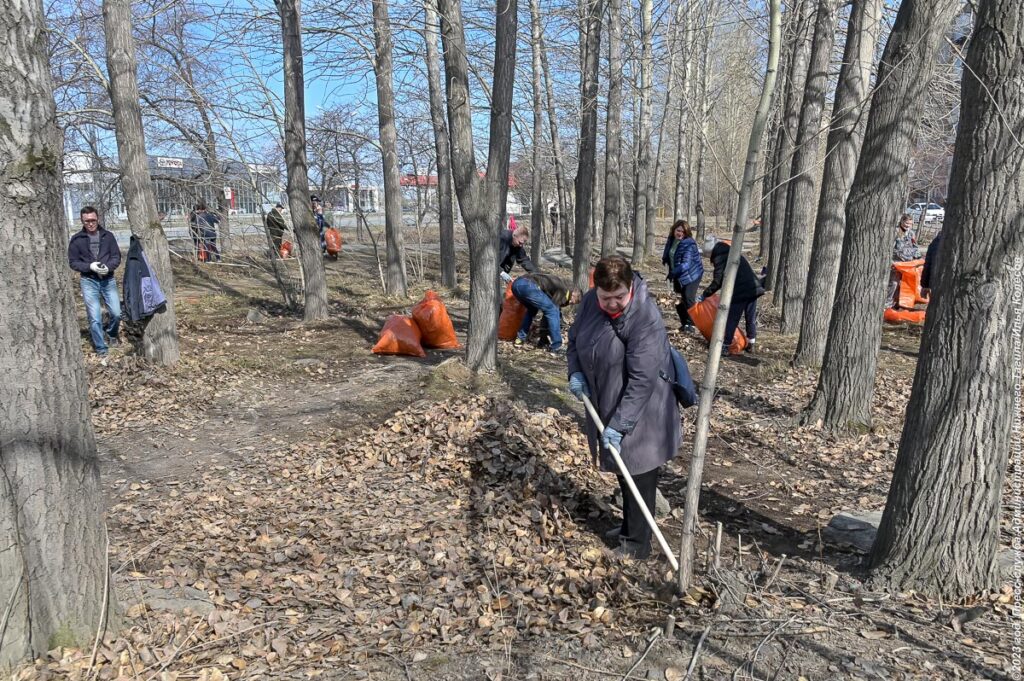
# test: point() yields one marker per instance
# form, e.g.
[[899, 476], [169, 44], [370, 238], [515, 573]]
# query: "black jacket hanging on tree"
[[142, 295]]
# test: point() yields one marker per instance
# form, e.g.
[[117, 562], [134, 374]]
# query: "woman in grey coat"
[[618, 348]]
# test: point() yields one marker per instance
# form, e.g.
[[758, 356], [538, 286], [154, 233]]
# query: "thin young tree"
[[481, 200], [849, 117], [800, 204], [641, 180], [680, 202], [556, 151], [397, 281], [53, 564], [613, 133], [846, 384], [446, 216], [956, 437], [303, 222], [537, 198], [796, 79], [160, 337], [707, 391], [588, 145]]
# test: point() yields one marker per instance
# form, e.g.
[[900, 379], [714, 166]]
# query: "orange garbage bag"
[[512, 313], [910, 282], [400, 336], [431, 316], [332, 237], [703, 316], [286, 249], [592, 277], [894, 316]]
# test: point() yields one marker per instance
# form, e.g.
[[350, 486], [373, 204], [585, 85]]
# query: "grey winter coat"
[[622, 366]]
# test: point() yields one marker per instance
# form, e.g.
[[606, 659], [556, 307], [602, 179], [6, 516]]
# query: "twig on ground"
[[106, 601], [604, 672], [696, 653], [650, 644]]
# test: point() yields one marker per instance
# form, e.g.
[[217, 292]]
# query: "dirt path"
[[290, 495]]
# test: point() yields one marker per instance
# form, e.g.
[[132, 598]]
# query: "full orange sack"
[[332, 237], [286, 249], [893, 316], [512, 313], [703, 316], [431, 316], [400, 336], [910, 282]]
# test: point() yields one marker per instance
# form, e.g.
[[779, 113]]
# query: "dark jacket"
[[142, 294], [507, 252], [748, 287], [687, 267], [276, 222], [80, 255], [623, 366], [666, 253], [555, 288], [932, 263]]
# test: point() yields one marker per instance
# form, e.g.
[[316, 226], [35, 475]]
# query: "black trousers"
[[689, 294], [634, 526]]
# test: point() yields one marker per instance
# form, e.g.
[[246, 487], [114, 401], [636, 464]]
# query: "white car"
[[927, 212]]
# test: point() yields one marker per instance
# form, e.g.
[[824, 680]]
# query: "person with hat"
[[276, 227]]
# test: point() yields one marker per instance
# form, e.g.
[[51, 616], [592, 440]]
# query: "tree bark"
[[588, 147], [849, 116], [796, 78], [962, 408], [446, 214], [847, 381], [303, 223], [537, 203], [482, 201], [707, 392], [705, 76], [680, 207], [642, 180], [397, 280], [556, 150], [654, 186], [613, 133], [53, 561], [160, 337], [800, 202]]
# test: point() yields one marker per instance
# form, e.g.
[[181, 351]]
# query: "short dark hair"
[[279, 206], [88, 209], [613, 272]]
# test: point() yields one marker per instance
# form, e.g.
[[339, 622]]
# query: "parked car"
[[926, 212]]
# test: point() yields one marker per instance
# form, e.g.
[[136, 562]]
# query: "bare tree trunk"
[[446, 217], [482, 201], [556, 150], [160, 337], [397, 281], [962, 408], [655, 184], [613, 133], [797, 77], [847, 381], [707, 392], [641, 231], [844, 142], [52, 566], [537, 203], [303, 223], [800, 202], [680, 209], [588, 147], [705, 77]]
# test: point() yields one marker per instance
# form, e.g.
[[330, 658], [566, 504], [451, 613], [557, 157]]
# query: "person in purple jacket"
[[93, 252], [618, 355]]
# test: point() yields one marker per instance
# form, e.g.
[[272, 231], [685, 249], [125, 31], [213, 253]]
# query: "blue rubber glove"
[[698, 299], [611, 438], [578, 385]]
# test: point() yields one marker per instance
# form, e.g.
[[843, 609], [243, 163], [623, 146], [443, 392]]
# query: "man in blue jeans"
[[545, 293], [94, 253]]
